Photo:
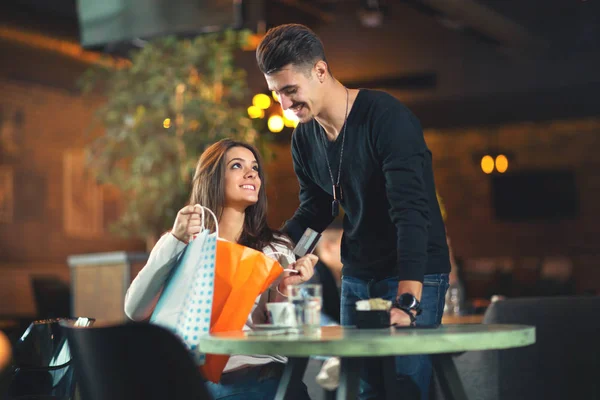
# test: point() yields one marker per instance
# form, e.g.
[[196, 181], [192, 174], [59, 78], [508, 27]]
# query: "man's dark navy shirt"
[[393, 226]]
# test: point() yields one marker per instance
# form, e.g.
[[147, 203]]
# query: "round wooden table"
[[351, 345]]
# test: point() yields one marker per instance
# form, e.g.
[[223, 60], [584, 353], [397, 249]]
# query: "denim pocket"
[[435, 279]]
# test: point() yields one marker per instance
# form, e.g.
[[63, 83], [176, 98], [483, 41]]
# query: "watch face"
[[407, 300]]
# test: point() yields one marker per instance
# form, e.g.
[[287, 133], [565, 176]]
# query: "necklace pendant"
[[335, 204], [337, 193], [335, 208]]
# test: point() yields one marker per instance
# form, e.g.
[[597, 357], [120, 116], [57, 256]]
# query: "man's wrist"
[[413, 287]]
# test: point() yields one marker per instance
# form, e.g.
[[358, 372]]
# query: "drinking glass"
[[306, 300]]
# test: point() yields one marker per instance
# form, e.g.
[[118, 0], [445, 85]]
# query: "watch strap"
[[413, 319]]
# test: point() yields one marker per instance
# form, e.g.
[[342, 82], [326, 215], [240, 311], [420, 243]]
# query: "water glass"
[[306, 300]]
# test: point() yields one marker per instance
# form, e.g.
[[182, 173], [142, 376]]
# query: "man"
[[363, 150]]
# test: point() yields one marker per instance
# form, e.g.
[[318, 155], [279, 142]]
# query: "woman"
[[228, 180]]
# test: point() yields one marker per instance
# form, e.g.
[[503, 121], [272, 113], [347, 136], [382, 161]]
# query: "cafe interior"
[[107, 105]]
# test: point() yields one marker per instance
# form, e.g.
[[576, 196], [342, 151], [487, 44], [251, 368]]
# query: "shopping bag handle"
[[287, 256], [202, 208]]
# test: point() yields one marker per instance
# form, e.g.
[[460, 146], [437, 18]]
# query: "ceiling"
[[567, 25], [561, 28]]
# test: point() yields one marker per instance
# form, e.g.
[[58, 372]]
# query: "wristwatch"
[[407, 302]]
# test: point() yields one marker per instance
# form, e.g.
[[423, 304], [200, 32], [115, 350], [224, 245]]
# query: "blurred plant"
[[176, 97]]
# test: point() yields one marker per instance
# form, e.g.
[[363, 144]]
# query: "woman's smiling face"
[[242, 180]]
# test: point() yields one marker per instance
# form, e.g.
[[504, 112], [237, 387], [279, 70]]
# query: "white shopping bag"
[[185, 303]]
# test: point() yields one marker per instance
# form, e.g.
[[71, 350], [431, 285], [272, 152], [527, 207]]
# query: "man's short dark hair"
[[289, 44]]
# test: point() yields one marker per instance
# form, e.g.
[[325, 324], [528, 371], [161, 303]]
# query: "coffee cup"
[[281, 313]]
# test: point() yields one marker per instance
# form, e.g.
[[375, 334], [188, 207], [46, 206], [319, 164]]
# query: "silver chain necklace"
[[337, 189]]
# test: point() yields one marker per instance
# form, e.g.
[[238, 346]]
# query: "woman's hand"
[[187, 223], [306, 269]]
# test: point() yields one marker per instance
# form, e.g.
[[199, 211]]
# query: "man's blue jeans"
[[415, 367]]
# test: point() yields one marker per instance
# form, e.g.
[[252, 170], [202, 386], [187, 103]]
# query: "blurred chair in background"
[[52, 297], [133, 361], [562, 364]]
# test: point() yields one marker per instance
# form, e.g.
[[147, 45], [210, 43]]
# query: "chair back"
[[564, 362], [133, 361], [52, 297]]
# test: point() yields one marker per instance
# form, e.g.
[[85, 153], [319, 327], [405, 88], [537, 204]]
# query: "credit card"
[[307, 243]]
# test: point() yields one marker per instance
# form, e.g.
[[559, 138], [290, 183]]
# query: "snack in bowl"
[[373, 313], [373, 304]]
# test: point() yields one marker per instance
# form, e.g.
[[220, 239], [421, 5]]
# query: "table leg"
[[292, 373], [330, 394], [349, 378], [446, 372], [390, 382]]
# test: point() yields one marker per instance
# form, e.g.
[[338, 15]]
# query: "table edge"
[[521, 336]]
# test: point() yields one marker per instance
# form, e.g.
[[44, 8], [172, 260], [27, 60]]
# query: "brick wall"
[[54, 211], [474, 230]]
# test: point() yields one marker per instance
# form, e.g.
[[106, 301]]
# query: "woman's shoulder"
[[278, 236], [281, 243]]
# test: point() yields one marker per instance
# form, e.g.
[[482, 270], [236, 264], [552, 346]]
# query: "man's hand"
[[399, 317]]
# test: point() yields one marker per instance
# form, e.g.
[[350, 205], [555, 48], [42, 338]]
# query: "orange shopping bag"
[[241, 274]]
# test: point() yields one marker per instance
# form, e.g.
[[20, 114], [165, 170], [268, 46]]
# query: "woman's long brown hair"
[[208, 190]]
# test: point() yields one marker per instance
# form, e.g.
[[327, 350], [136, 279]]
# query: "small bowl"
[[372, 319]]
